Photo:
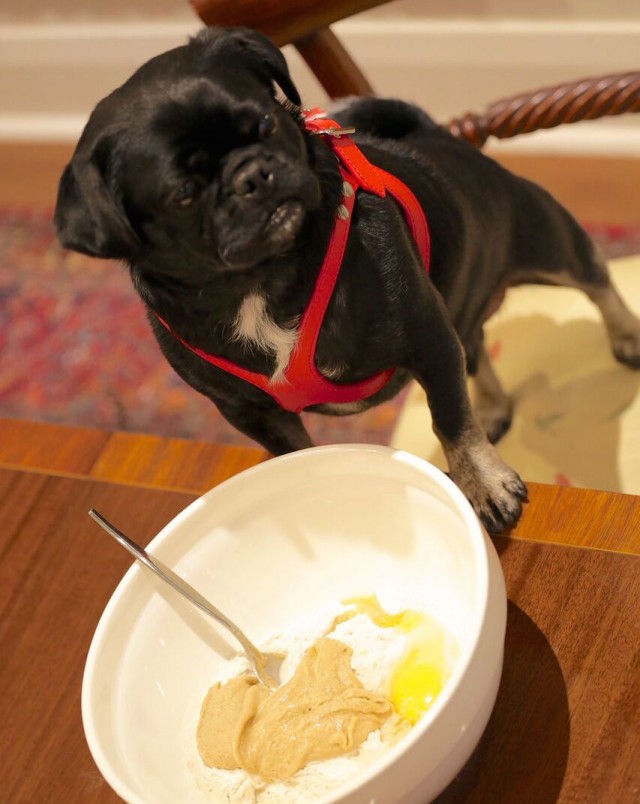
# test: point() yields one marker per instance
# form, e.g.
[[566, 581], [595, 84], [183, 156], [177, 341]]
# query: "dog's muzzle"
[[254, 175], [264, 196], [254, 178]]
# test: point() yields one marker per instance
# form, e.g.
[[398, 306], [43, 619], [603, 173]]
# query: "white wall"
[[64, 11], [58, 60]]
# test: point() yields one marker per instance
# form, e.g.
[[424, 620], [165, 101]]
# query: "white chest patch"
[[254, 327]]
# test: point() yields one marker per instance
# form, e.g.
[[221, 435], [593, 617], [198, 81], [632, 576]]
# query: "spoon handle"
[[180, 585]]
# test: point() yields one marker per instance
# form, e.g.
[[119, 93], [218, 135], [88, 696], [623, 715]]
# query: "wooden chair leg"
[[332, 65]]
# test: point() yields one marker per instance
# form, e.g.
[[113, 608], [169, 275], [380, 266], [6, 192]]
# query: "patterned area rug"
[[75, 346]]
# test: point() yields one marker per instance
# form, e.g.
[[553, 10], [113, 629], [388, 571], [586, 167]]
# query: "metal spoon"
[[266, 665]]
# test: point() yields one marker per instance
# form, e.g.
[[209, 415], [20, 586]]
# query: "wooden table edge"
[[555, 514]]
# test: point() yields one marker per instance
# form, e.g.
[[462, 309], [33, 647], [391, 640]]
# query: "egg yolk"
[[421, 672], [416, 682]]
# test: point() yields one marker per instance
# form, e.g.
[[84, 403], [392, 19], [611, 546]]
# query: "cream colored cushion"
[[577, 411]]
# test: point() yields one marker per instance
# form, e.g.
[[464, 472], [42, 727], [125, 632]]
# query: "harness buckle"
[[317, 115], [330, 131], [337, 132]]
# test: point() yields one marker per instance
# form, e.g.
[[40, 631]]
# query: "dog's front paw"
[[495, 491], [498, 502]]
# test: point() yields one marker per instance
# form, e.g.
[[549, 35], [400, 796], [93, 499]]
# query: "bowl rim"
[[472, 527]]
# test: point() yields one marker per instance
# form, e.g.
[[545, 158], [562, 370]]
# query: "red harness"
[[301, 384]]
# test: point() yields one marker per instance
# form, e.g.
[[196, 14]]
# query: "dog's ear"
[[87, 217], [256, 50]]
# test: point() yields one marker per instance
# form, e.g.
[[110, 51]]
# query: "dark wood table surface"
[[566, 726]]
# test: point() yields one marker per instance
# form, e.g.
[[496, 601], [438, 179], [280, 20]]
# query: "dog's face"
[[193, 160]]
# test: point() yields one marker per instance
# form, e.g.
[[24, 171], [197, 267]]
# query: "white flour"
[[375, 652]]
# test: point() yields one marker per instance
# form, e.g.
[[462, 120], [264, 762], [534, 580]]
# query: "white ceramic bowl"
[[293, 535]]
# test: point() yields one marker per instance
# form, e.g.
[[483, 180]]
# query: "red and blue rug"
[[75, 346]]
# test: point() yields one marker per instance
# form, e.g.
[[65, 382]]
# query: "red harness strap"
[[302, 385]]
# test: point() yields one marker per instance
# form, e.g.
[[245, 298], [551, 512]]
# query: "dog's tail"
[[382, 117]]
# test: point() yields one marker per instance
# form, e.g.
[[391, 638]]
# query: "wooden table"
[[566, 722]]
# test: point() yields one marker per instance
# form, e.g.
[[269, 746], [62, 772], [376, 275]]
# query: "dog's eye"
[[267, 127], [187, 194]]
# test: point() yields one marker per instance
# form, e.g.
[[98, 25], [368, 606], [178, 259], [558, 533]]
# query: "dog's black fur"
[[180, 172]]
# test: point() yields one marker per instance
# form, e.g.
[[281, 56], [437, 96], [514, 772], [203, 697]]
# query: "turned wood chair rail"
[[305, 25], [587, 99]]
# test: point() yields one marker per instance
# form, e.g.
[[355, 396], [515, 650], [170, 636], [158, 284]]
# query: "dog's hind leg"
[[571, 259], [623, 327], [591, 276], [493, 407]]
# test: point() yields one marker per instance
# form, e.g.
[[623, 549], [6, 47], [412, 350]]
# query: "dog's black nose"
[[254, 177]]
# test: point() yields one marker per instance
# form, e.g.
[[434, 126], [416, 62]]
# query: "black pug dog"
[[204, 181]]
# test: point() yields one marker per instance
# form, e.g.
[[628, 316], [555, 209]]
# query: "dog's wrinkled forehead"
[[190, 128], [235, 63], [209, 94], [234, 49], [216, 111]]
